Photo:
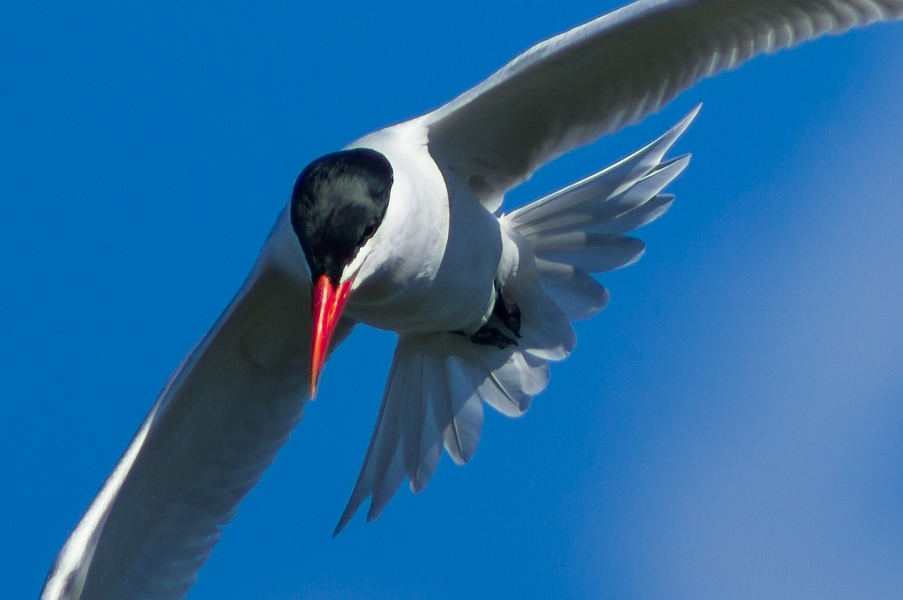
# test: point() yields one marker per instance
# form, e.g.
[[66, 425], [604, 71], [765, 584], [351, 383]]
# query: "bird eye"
[[368, 232]]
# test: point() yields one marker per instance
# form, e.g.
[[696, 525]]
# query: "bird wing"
[[612, 71], [217, 425]]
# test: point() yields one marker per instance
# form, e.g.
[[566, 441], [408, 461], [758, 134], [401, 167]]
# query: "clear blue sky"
[[730, 427]]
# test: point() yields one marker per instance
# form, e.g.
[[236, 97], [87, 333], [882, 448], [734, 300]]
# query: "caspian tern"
[[399, 231]]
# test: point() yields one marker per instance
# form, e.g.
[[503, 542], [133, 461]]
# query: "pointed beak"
[[328, 303]]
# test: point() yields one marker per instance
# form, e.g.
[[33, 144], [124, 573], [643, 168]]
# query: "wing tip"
[[681, 127], [350, 510], [340, 526]]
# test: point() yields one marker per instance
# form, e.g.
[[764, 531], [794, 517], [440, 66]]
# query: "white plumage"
[[234, 400]]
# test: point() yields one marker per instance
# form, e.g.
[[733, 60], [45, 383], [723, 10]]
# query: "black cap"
[[338, 203]]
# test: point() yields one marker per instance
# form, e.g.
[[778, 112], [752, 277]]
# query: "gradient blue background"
[[730, 427]]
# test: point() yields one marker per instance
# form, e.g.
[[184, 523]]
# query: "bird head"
[[337, 206]]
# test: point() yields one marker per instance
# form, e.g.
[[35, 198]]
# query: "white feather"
[[579, 229], [433, 399], [205, 443], [614, 70], [591, 252], [577, 294], [605, 185]]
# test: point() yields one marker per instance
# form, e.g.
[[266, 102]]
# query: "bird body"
[[401, 231]]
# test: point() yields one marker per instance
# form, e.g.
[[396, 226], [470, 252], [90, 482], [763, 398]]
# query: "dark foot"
[[507, 312], [490, 336]]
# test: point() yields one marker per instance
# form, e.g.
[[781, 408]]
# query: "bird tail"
[[580, 229], [439, 381], [433, 400]]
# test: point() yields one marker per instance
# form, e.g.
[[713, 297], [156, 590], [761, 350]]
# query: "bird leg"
[[490, 336], [508, 313]]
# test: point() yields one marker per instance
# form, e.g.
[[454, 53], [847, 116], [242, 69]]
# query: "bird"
[[400, 230]]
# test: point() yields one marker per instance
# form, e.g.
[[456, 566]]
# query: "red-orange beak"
[[328, 303]]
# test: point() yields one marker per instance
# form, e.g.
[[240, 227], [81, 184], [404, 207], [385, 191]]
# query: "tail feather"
[[423, 446], [510, 388], [434, 400], [465, 415], [439, 381]]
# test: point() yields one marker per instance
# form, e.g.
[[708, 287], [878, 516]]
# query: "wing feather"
[[217, 425], [614, 70]]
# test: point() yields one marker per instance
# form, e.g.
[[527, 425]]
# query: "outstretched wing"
[[596, 78], [217, 425]]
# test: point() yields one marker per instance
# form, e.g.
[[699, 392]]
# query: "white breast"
[[432, 262]]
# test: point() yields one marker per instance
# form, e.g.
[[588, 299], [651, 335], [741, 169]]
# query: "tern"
[[401, 230]]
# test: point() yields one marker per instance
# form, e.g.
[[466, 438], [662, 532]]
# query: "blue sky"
[[731, 426]]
